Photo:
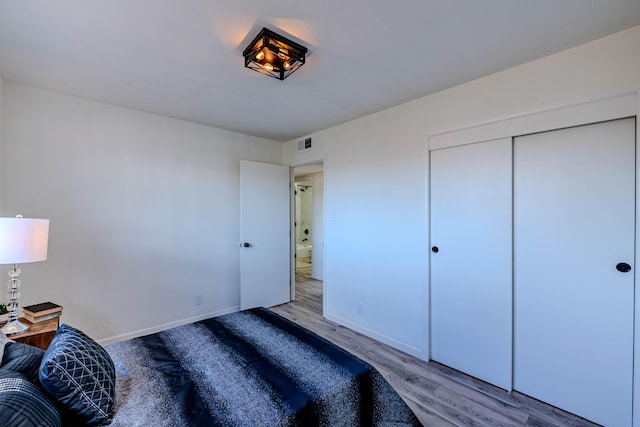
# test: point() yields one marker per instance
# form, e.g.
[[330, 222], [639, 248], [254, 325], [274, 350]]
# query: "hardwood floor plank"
[[428, 418], [478, 411], [438, 395], [550, 414]]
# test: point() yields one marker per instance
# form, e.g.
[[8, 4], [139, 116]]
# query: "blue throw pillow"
[[3, 341], [23, 404], [79, 375], [23, 358]]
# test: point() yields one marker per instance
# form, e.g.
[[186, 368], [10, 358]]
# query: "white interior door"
[[471, 279], [264, 229], [574, 209]]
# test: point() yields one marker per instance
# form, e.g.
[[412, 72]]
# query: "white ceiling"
[[183, 58]]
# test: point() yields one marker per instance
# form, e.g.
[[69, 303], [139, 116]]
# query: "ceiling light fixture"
[[274, 55]]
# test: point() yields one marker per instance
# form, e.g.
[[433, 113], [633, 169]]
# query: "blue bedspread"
[[251, 368]]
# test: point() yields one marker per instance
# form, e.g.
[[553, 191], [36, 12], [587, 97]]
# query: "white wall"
[[144, 209], [376, 168], [3, 296]]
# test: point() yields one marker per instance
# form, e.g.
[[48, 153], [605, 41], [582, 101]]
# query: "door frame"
[[553, 117], [293, 229]]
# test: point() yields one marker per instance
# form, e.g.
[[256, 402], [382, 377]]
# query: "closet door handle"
[[435, 249], [247, 244], [623, 267]]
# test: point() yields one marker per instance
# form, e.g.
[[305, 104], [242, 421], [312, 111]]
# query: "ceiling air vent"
[[304, 144]]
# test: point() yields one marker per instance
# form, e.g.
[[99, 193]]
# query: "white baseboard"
[[165, 326], [399, 345]]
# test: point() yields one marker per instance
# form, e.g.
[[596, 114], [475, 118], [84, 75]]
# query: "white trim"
[[292, 234], [323, 160], [591, 111], [426, 291], [399, 345], [165, 326], [636, 334], [325, 227]]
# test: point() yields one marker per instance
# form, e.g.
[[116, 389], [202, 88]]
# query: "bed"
[[250, 368]]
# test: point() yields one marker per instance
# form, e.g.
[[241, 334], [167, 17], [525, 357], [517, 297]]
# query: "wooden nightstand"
[[39, 334]]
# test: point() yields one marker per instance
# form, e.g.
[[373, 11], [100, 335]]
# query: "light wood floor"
[[438, 395]]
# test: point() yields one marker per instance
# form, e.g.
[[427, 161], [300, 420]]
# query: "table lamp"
[[21, 240]]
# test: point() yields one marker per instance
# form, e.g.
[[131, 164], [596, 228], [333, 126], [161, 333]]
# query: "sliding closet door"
[[471, 259], [574, 209]]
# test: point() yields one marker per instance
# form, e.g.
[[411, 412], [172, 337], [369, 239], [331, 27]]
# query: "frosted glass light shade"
[[23, 240]]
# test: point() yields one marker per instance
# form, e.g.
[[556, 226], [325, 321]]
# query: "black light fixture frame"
[[274, 55]]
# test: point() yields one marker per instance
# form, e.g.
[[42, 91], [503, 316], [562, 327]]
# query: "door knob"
[[247, 244], [623, 267], [435, 249]]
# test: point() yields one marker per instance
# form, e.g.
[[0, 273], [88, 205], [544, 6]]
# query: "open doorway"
[[308, 231], [303, 191]]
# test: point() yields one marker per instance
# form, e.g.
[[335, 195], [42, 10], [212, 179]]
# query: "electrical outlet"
[[360, 308], [197, 300]]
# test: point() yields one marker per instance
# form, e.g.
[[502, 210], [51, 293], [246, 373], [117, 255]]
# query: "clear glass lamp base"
[[14, 327]]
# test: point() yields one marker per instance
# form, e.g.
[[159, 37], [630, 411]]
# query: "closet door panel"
[[574, 213], [471, 272]]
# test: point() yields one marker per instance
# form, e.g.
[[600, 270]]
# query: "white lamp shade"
[[23, 240]]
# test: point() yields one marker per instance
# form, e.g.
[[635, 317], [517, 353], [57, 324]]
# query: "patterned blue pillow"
[[23, 358], [79, 375], [24, 404], [3, 341]]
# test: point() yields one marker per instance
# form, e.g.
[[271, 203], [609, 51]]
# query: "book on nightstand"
[[41, 312]]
